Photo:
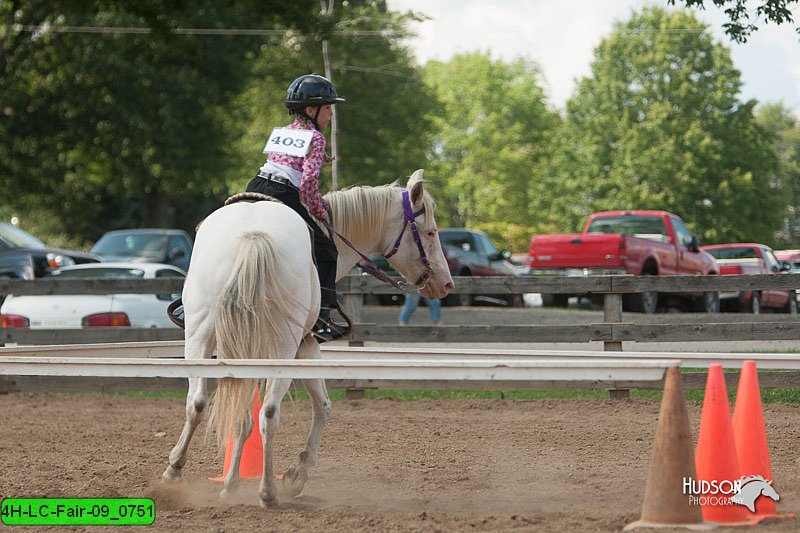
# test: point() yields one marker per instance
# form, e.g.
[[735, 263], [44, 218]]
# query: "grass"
[[767, 395]]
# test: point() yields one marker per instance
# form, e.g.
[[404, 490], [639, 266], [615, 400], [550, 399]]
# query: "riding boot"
[[325, 329]]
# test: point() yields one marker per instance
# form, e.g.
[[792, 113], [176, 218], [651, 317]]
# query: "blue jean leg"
[[435, 307], [409, 306], [412, 302]]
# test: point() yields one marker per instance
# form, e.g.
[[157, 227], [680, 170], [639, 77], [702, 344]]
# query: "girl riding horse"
[[293, 179]]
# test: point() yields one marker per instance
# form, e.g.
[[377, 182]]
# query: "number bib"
[[289, 141]]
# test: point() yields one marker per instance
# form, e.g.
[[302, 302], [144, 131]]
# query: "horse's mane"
[[358, 211]]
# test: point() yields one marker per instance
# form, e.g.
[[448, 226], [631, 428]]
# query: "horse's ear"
[[416, 188]]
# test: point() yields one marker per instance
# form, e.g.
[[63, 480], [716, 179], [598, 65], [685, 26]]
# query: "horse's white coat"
[[252, 266]]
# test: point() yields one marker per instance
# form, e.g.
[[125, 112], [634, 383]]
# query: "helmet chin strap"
[[313, 119], [316, 116]]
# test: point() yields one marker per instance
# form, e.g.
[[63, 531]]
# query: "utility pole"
[[327, 9]]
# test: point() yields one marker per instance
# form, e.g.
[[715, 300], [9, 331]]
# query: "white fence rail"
[[406, 369], [174, 349], [428, 368], [765, 361]]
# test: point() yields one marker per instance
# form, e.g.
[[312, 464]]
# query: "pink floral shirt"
[[310, 167]]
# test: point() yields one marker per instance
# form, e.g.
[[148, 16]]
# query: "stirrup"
[[176, 314], [325, 329]]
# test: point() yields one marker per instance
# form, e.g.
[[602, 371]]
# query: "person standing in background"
[[412, 302]]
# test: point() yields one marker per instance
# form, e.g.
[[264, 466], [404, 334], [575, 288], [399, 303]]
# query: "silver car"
[[89, 310]]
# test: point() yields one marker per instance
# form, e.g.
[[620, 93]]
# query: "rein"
[[368, 266]]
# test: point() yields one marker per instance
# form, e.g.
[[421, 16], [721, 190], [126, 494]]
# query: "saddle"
[[175, 310], [250, 197]]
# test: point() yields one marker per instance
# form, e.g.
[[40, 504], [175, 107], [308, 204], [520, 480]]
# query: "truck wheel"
[[708, 303], [555, 300], [644, 302]]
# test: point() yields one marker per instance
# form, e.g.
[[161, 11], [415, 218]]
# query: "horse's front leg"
[[269, 418], [295, 478]]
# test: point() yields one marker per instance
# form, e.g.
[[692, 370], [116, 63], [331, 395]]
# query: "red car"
[[790, 256], [751, 258]]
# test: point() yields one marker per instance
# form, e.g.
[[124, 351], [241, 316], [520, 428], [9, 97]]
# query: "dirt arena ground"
[[430, 465]]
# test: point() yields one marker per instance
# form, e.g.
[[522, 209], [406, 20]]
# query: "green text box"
[[78, 511]]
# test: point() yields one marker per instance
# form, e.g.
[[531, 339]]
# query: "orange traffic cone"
[[750, 436], [252, 463], [665, 503], [717, 464]]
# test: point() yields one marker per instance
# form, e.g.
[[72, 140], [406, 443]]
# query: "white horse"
[[252, 292]]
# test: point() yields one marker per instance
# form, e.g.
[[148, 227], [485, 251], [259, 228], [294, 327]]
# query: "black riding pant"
[[324, 248]]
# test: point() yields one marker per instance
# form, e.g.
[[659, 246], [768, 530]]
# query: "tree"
[[741, 14], [490, 142], [113, 129], [384, 125], [784, 129], [658, 124]]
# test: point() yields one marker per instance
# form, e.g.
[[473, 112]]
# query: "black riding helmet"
[[310, 90]]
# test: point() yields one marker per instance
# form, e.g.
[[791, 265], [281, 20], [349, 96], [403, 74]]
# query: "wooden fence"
[[614, 329]]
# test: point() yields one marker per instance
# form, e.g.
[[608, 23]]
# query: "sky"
[[561, 35]]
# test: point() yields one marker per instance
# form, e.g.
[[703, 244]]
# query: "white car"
[[75, 311]]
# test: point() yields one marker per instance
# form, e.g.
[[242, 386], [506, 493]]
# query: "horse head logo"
[[751, 488]]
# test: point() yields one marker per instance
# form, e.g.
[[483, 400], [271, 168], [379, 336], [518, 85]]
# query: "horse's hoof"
[[294, 480], [171, 475], [268, 503], [227, 494]]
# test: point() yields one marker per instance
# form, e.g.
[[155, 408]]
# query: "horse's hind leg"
[[294, 479], [199, 346], [270, 418], [231, 481]]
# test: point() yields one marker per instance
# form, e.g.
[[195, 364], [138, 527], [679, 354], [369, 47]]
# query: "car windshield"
[[107, 272], [628, 225], [733, 253], [148, 245], [11, 237]]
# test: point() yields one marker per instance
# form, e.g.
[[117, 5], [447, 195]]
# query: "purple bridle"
[[409, 219]]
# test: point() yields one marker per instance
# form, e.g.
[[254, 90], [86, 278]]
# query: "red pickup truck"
[[752, 258], [655, 243]]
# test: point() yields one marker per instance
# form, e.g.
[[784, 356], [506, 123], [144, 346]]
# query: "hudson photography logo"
[[744, 491]]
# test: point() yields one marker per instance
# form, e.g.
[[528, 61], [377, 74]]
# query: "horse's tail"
[[252, 317]]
